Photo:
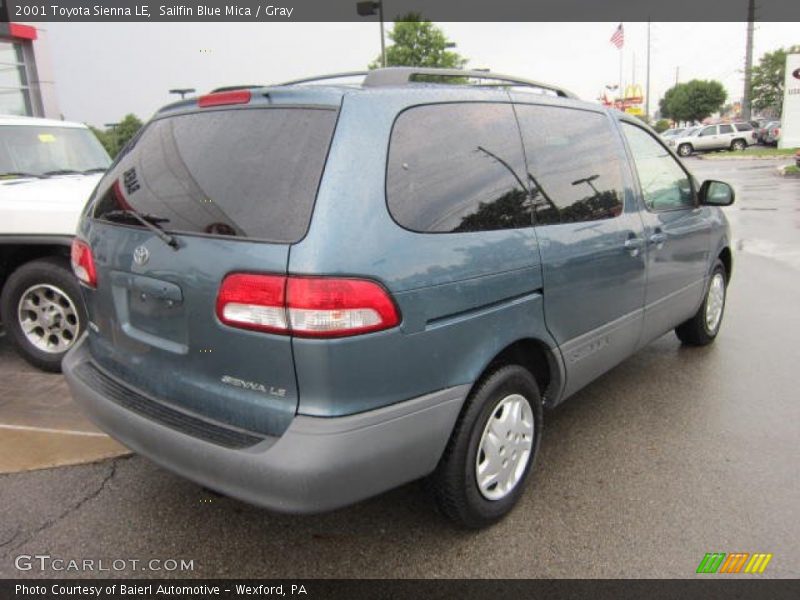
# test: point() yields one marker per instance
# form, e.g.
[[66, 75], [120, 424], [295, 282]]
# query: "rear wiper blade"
[[148, 221], [94, 170], [21, 174]]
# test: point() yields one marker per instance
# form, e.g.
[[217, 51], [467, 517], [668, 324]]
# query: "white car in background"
[[48, 170]]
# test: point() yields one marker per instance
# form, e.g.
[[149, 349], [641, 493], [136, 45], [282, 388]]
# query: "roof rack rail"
[[405, 75], [233, 88], [326, 77]]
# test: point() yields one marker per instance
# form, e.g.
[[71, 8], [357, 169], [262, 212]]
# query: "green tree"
[[768, 78], [692, 101], [115, 138], [419, 43], [661, 125]]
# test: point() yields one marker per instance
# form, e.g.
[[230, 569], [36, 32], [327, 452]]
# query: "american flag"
[[618, 39]]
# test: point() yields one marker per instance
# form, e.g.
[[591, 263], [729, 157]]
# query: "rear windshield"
[[249, 173]]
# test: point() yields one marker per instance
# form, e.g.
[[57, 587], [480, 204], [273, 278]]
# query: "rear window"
[[744, 127], [250, 173]]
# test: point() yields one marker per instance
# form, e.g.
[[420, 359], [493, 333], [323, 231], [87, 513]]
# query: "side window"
[[665, 185], [575, 164], [726, 128], [706, 131], [457, 168], [744, 127]]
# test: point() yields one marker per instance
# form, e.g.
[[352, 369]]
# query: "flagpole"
[[621, 91]]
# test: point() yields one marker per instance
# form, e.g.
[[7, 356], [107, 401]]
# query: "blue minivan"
[[303, 295]]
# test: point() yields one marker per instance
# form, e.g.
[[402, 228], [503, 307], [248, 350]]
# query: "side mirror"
[[716, 193]]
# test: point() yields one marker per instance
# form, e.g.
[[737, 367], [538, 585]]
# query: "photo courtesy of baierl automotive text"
[[399, 299]]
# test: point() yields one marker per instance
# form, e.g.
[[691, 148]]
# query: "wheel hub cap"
[[505, 447], [48, 318], [715, 302]]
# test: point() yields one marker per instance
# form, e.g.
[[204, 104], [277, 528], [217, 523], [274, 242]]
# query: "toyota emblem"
[[141, 255]]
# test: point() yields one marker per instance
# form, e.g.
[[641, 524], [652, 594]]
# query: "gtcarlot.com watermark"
[[46, 562]]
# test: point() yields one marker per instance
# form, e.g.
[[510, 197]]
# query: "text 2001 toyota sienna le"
[[304, 295]]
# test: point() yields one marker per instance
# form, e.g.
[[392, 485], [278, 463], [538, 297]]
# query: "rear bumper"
[[318, 464]]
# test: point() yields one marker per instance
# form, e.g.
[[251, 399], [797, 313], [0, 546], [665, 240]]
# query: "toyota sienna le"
[[305, 295]]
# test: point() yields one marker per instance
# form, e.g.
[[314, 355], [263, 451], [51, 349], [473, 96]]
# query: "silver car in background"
[[724, 136]]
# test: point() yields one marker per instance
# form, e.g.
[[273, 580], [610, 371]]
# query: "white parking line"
[[48, 430]]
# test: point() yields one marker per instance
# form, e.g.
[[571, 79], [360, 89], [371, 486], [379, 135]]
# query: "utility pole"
[[748, 61], [677, 72], [647, 79]]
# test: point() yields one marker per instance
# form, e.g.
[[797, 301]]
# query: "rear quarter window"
[[250, 173], [457, 168]]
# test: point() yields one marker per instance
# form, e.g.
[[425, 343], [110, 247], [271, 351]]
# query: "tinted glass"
[[726, 128], [744, 127], [243, 172], [709, 131], [575, 164], [457, 167], [664, 184]]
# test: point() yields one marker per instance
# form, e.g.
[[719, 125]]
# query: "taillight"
[[224, 98], [321, 307], [253, 302], [83, 262], [328, 307]]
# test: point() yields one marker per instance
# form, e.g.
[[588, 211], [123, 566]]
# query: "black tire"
[[685, 150], [695, 331], [454, 484], [53, 271], [738, 145]]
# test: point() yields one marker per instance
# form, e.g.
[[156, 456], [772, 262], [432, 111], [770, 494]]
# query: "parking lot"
[[675, 453]]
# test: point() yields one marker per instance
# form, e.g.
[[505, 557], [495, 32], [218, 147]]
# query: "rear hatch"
[[234, 187]]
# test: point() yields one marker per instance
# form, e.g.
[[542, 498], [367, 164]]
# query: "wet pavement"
[[40, 426], [675, 453]]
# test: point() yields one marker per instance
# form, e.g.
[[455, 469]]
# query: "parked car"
[[724, 136], [773, 134], [304, 295], [669, 133], [47, 172], [761, 132]]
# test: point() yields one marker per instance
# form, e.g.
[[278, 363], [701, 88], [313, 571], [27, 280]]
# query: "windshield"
[[46, 151]]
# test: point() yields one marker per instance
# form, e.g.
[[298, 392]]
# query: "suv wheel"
[[685, 149], [703, 327], [738, 145], [43, 311], [483, 471]]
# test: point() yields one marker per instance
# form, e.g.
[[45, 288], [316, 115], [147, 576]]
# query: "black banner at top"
[[434, 10]]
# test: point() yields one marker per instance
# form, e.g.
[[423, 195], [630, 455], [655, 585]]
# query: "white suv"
[[48, 169], [725, 136]]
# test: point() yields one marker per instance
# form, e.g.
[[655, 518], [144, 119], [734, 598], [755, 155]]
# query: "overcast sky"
[[106, 70]]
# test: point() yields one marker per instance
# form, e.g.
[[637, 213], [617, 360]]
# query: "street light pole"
[[368, 8], [647, 83], [383, 41]]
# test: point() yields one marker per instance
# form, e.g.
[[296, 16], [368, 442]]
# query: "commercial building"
[[27, 85]]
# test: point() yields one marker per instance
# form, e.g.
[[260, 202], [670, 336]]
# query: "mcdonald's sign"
[[735, 562], [633, 94]]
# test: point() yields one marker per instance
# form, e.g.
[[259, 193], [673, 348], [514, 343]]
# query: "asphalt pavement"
[[675, 453]]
